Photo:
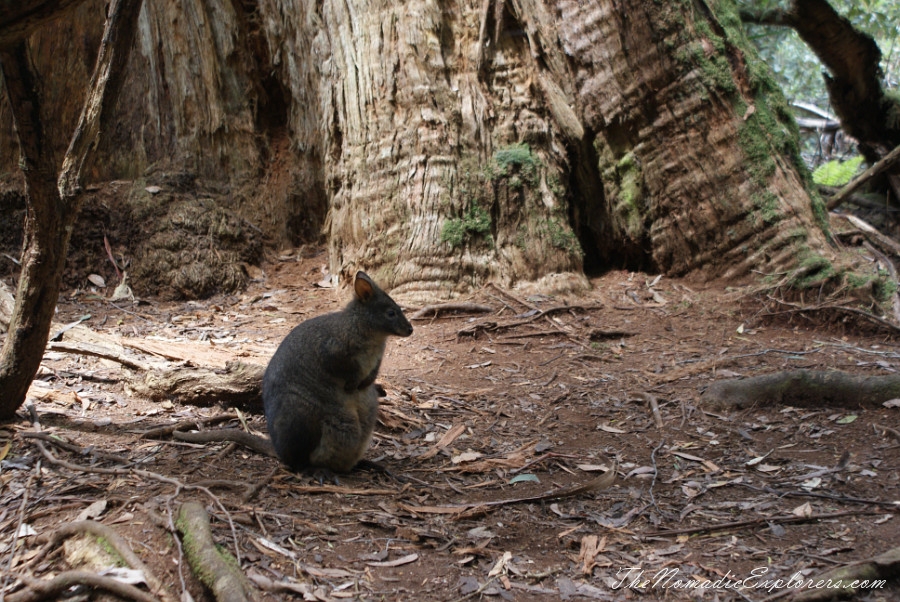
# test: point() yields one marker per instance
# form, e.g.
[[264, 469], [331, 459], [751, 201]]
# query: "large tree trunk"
[[655, 134], [460, 141]]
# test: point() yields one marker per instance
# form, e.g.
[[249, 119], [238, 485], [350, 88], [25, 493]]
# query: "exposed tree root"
[[434, 311], [882, 567], [808, 388], [218, 571], [112, 538], [255, 442], [53, 589], [757, 522]]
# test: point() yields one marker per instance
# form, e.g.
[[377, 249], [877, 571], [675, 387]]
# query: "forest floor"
[[481, 420]]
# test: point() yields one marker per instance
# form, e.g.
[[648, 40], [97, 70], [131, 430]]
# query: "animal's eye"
[[392, 313]]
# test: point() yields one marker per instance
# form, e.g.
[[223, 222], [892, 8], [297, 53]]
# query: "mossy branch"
[[215, 568]]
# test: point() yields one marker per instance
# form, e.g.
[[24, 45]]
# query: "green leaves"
[[836, 173]]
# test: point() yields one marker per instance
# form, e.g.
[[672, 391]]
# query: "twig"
[[601, 482], [101, 352], [36, 424], [254, 442], [39, 589], [825, 496], [509, 295], [655, 475], [654, 408], [170, 525], [756, 522], [13, 547], [253, 490], [75, 449], [540, 459], [536, 315]]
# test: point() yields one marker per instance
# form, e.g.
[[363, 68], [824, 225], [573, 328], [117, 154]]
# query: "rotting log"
[[238, 384], [53, 199], [807, 388]]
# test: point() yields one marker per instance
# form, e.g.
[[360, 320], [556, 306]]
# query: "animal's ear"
[[363, 287]]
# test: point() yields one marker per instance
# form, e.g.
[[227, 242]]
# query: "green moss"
[[111, 551], [562, 237], [754, 141], [885, 288], [813, 271], [855, 280], [629, 207], [767, 206], [515, 162], [476, 222]]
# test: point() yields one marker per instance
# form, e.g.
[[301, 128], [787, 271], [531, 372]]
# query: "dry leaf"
[[593, 467], [591, 545], [97, 280], [469, 456], [611, 429], [92, 511], [803, 510], [500, 566], [397, 561]]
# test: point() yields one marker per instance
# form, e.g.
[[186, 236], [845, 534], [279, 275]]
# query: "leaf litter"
[[506, 432]]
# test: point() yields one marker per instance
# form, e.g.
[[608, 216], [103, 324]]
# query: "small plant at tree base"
[[476, 222]]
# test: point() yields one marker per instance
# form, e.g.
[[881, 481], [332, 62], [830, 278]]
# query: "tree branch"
[[883, 164]]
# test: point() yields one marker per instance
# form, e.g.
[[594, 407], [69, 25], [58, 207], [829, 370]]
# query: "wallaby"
[[319, 391]]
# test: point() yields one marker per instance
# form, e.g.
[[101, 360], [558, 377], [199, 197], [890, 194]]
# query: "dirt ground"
[[480, 421]]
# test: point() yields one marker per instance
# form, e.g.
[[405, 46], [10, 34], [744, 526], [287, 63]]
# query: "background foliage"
[[797, 68]]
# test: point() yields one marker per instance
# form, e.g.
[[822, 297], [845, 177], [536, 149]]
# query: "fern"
[[836, 173]]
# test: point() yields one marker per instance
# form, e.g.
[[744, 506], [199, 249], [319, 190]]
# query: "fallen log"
[[809, 388], [237, 384]]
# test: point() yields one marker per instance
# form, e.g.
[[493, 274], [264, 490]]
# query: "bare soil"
[[535, 404]]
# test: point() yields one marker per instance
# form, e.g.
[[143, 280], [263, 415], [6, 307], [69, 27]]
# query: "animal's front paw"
[[321, 474], [376, 467]]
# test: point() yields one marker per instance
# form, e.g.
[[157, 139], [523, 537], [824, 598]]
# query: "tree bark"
[[52, 206], [18, 18], [457, 142]]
